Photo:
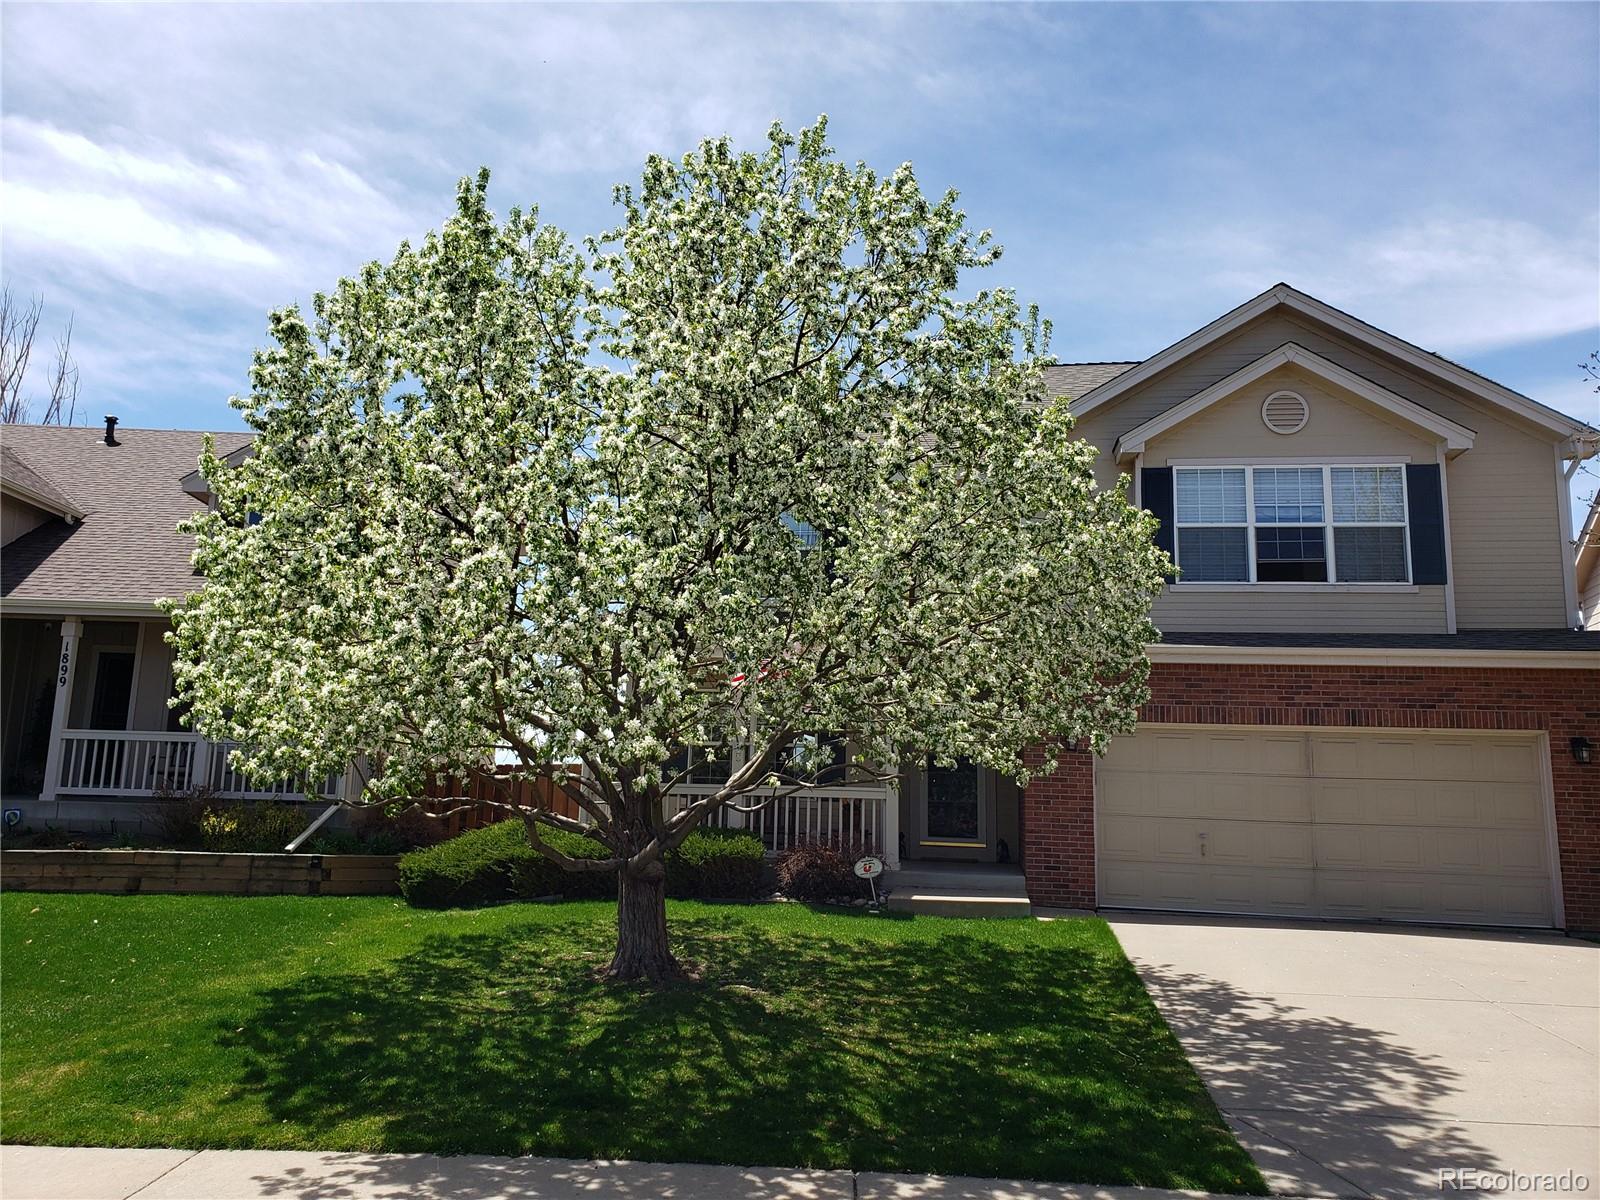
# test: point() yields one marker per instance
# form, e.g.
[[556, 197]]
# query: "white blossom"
[[521, 495]]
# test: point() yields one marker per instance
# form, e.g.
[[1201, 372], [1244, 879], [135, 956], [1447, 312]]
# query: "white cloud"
[[174, 171], [122, 234], [1456, 283]]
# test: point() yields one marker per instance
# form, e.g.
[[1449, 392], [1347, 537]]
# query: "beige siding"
[[18, 517], [1505, 533], [154, 682], [1312, 607], [1506, 537], [1340, 425]]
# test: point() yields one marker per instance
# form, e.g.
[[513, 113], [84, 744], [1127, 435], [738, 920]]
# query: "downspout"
[[311, 828]]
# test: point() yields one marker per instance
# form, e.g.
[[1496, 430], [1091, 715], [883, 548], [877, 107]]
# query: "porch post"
[[891, 826], [66, 666], [731, 819], [200, 764]]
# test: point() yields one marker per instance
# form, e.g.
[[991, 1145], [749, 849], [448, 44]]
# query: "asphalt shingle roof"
[[1078, 379], [14, 471], [1552, 640], [127, 548]]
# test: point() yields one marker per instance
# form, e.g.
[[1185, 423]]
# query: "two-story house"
[[1372, 697]]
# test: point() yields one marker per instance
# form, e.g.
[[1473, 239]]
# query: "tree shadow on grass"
[[1036, 1057]]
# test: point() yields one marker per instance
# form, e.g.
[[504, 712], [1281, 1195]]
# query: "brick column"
[[1058, 824]]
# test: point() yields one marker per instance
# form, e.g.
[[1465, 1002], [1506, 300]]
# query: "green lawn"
[[1018, 1048]]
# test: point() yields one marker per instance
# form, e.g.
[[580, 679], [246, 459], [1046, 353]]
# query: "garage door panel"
[[1175, 793], [1188, 840], [1209, 750], [1431, 756], [1427, 802], [1401, 825], [1378, 848], [1281, 891], [1153, 885]]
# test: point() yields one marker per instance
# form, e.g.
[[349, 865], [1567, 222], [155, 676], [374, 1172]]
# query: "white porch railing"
[[854, 815], [134, 763]]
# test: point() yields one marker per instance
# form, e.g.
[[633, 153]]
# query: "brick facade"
[[1058, 811]]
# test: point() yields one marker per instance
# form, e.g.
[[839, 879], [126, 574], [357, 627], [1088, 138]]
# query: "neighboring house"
[[89, 521], [1371, 698], [1587, 566]]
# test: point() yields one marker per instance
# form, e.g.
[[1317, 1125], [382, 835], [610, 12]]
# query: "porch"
[[925, 814], [87, 727]]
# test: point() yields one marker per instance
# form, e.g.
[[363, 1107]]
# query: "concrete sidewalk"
[[65, 1173]]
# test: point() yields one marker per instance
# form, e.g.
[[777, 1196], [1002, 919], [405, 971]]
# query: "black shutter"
[[1155, 494], [1425, 503]]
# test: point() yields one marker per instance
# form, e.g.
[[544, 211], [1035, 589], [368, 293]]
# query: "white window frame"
[[1247, 525], [1328, 524], [1403, 525]]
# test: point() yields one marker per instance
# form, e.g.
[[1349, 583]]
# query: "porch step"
[[967, 879], [944, 903]]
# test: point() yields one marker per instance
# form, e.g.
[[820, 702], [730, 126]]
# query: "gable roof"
[[18, 479], [1456, 437], [125, 551], [1588, 548], [1281, 295], [1074, 379]]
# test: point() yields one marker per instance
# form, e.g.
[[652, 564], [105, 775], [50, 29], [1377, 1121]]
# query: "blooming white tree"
[[741, 468]]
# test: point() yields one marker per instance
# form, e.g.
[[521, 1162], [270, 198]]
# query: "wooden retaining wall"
[[196, 871]]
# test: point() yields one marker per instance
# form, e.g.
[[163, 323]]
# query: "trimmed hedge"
[[717, 864], [496, 863]]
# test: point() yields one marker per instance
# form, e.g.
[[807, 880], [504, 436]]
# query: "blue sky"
[[173, 172]]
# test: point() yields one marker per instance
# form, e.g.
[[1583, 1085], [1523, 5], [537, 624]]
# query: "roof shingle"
[[1078, 379], [126, 550]]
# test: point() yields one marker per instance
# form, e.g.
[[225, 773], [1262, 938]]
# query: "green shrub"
[[497, 863], [263, 828], [717, 864], [348, 841], [821, 871]]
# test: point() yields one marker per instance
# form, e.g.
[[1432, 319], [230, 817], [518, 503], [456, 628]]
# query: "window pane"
[[1368, 494], [1215, 555], [1370, 555], [1291, 555], [1211, 496], [1288, 495]]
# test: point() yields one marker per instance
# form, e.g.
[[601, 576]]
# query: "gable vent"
[[1285, 412]]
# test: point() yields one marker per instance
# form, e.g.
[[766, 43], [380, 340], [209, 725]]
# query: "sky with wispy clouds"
[[171, 173]]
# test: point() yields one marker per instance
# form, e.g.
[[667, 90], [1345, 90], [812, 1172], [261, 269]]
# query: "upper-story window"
[[1291, 524]]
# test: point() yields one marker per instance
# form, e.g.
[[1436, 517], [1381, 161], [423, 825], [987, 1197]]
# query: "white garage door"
[[1325, 823]]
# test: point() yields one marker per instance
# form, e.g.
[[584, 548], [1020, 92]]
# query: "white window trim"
[[1328, 525]]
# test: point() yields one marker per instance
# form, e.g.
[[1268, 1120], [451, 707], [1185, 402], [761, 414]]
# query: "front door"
[[955, 818], [113, 690]]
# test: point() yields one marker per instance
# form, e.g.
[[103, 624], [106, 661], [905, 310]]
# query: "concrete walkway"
[[1365, 1060], [58, 1173]]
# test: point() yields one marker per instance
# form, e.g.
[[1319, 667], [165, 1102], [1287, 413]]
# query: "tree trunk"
[[642, 949]]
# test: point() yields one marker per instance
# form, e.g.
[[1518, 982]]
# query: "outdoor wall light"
[[1582, 750]]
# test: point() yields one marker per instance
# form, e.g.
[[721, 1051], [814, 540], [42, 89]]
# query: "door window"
[[954, 805]]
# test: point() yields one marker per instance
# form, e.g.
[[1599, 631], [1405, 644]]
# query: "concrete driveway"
[[1365, 1060]]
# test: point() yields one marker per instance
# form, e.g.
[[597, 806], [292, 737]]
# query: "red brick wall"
[[1058, 811]]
